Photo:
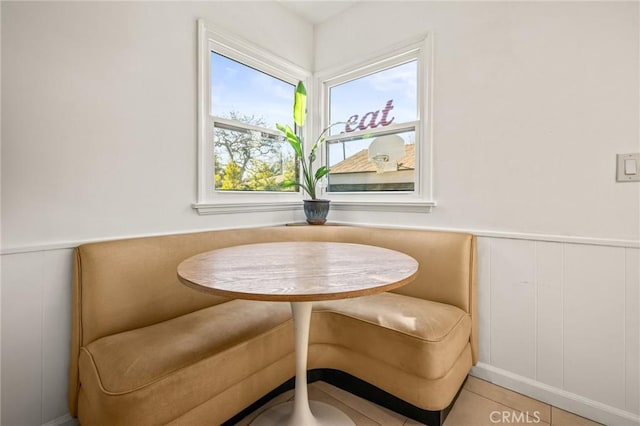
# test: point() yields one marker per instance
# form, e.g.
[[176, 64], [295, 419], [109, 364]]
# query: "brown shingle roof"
[[359, 162]]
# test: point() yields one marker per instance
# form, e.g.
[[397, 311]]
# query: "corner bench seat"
[[418, 336], [155, 371], [156, 352]]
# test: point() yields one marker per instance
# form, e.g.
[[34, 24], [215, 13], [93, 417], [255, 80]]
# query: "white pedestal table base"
[[321, 415], [301, 412]]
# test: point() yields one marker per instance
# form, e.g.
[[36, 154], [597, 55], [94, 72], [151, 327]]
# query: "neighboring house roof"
[[359, 162]]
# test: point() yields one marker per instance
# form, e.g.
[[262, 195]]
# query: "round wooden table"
[[299, 273]]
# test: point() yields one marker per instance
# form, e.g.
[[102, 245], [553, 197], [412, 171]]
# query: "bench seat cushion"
[[417, 336], [185, 361]]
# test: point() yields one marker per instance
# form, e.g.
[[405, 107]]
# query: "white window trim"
[[209, 201], [421, 199]]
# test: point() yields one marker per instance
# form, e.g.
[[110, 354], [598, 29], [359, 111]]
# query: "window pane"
[[376, 100], [244, 93], [378, 163], [248, 160]]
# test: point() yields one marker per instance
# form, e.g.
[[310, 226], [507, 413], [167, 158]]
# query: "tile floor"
[[480, 404], [474, 407]]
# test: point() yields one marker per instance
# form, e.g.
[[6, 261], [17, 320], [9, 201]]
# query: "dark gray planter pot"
[[316, 211]]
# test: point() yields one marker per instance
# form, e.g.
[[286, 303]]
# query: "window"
[[381, 154], [244, 91], [379, 157]]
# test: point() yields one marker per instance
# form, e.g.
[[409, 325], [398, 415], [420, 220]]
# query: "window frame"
[[210, 201], [421, 198]]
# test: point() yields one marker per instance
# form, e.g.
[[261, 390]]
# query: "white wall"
[[98, 142], [531, 104], [99, 112]]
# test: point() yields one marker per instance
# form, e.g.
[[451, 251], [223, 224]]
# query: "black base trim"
[[359, 388]]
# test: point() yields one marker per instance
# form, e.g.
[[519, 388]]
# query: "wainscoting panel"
[[36, 324], [56, 331], [549, 300], [594, 323], [22, 351], [484, 299], [513, 294], [632, 329], [560, 321]]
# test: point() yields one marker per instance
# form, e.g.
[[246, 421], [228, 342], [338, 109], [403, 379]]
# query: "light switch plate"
[[625, 164]]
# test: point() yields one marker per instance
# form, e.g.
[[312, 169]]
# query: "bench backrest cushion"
[[127, 284]]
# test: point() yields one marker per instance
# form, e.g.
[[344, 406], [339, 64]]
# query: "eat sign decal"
[[370, 119]]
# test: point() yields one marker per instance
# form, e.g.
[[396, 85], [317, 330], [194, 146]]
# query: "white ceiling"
[[316, 12]]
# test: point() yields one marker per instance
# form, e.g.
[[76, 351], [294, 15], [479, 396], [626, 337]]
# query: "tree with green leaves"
[[232, 178], [262, 177], [242, 146]]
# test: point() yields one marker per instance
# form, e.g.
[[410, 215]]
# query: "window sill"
[[372, 206], [382, 206], [226, 208]]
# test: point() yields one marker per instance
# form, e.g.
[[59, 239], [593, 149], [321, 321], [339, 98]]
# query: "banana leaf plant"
[[309, 179]]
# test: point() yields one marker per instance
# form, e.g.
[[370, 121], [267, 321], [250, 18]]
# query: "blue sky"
[[236, 87], [371, 93]]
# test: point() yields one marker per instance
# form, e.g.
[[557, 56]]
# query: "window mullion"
[[358, 134], [236, 125]]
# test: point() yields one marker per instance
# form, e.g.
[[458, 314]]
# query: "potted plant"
[[315, 210]]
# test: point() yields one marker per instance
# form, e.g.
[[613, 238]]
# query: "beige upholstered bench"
[[148, 350]]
